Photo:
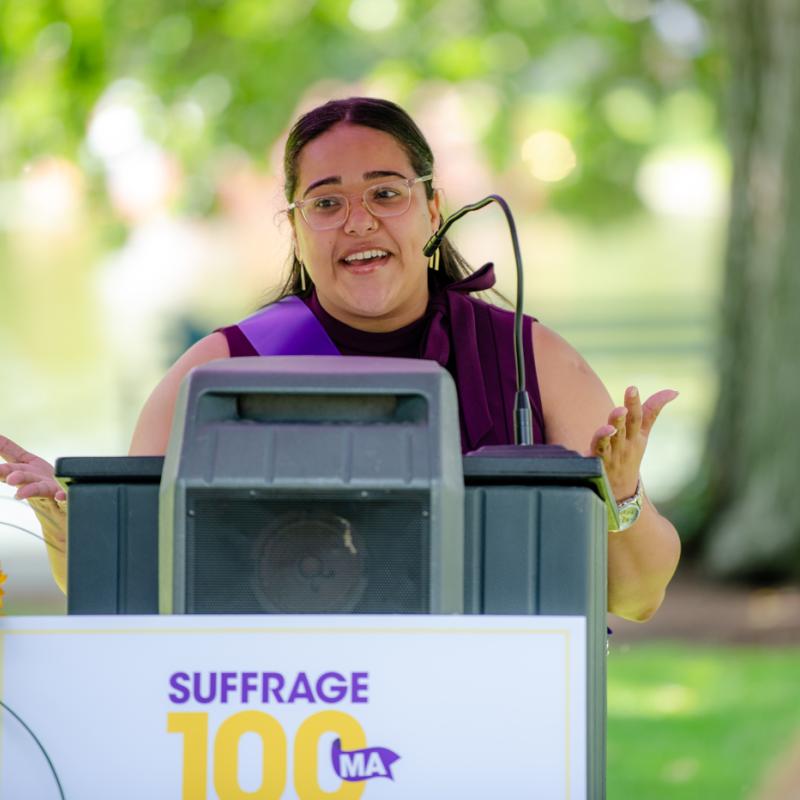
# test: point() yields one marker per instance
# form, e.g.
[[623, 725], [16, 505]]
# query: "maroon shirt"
[[472, 339]]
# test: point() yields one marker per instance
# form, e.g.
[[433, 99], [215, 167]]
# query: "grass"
[[690, 722]]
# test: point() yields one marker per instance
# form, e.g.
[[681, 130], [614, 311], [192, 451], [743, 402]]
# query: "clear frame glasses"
[[388, 199]]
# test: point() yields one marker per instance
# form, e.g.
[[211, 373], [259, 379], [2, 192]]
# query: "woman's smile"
[[366, 260]]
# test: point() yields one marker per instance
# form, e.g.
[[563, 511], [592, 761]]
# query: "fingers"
[[40, 488], [622, 440], [6, 470], [653, 406], [11, 451], [601, 441], [30, 483], [633, 404], [618, 418], [32, 475], [20, 473]]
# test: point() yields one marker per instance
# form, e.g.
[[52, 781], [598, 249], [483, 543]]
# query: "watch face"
[[629, 513]]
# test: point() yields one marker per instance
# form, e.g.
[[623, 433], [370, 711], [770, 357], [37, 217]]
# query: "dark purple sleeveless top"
[[472, 339]]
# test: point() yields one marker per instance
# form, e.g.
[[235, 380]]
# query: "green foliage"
[[247, 63]]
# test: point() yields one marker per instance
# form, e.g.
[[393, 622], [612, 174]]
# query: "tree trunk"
[[752, 462]]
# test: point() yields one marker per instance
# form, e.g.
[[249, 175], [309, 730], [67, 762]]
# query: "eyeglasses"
[[327, 211]]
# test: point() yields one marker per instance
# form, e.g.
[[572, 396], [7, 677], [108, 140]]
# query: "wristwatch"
[[629, 509]]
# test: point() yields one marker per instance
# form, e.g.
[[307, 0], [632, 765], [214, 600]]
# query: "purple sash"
[[287, 328]]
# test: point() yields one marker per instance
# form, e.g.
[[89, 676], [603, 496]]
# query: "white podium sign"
[[336, 707]]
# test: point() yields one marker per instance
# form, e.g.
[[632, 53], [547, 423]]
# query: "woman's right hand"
[[35, 481]]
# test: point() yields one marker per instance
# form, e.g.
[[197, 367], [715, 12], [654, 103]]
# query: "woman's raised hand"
[[33, 476], [622, 441]]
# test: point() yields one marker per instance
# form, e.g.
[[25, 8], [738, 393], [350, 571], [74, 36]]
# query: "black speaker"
[[313, 485], [287, 553]]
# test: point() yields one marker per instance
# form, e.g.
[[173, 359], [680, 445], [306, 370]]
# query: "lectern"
[[338, 487]]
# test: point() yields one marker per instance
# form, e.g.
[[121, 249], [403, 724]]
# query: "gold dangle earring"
[[302, 277]]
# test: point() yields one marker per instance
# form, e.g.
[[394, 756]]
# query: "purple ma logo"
[[361, 765]]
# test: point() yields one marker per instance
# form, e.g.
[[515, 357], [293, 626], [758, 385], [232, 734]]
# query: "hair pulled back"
[[382, 115]]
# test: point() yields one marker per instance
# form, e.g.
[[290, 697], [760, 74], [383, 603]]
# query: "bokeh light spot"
[[374, 15], [172, 35], [549, 155], [213, 92], [50, 196], [683, 183], [114, 129], [505, 51], [54, 41], [630, 114], [680, 27]]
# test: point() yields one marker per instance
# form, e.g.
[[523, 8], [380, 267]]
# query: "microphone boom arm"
[[523, 429]]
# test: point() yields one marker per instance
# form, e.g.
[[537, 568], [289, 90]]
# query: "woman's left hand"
[[621, 443], [574, 402]]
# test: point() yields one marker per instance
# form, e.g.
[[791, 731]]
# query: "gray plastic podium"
[[535, 525], [534, 534], [112, 563], [334, 485], [535, 530]]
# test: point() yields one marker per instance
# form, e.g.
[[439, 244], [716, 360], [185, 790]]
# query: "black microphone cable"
[[27, 530], [523, 426], [39, 745], [5, 705]]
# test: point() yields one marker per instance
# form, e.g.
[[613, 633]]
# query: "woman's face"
[[382, 293]]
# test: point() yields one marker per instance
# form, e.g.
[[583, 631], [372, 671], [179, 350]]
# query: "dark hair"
[[382, 115]]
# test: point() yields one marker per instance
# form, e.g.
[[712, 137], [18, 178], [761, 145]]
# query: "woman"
[[361, 204]]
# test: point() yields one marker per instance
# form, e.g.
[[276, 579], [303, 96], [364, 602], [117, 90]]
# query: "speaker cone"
[[309, 563]]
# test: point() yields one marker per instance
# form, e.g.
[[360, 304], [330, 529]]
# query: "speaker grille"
[[331, 552]]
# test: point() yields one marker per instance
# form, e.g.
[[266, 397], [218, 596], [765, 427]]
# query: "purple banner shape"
[[287, 328], [361, 765]]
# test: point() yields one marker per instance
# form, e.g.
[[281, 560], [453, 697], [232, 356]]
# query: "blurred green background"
[[141, 186], [140, 199]]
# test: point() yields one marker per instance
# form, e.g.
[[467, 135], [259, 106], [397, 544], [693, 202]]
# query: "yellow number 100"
[[194, 727]]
